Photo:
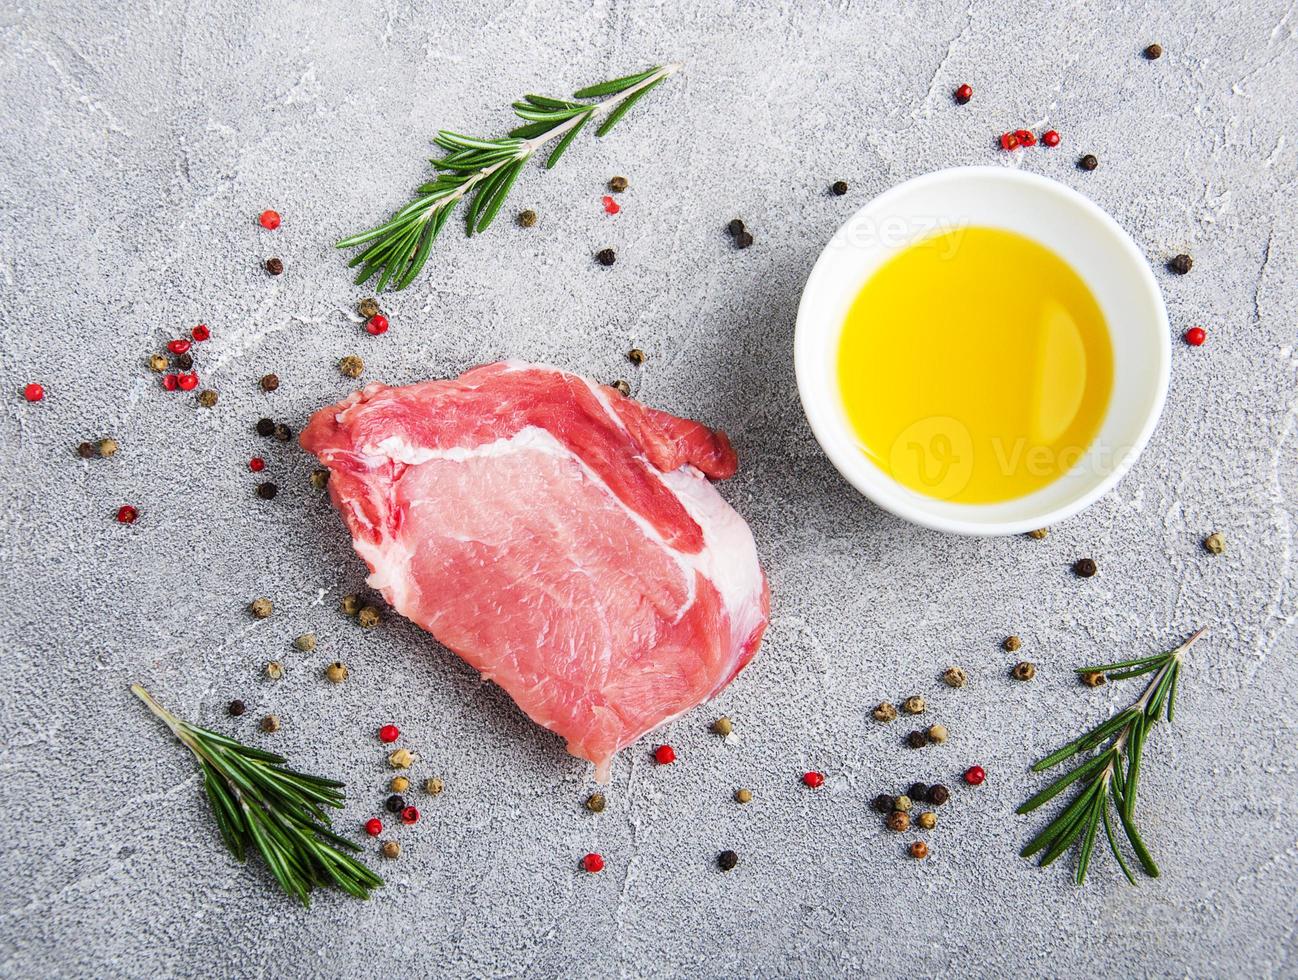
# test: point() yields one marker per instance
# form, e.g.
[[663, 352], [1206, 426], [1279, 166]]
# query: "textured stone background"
[[139, 142]]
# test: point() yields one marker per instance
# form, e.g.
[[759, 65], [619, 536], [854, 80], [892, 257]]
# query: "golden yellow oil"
[[975, 366]]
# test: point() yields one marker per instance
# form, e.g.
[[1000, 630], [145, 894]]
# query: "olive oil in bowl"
[[975, 366]]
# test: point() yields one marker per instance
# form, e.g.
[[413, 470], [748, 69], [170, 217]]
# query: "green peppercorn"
[[617, 184], [351, 604], [937, 734], [1094, 678], [368, 307], [938, 794], [368, 617], [351, 366], [434, 786], [595, 803], [391, 850], [208, 398], [106, 447], [914, 705], [1039, 533], [1011, 643], [157, 363], [955, 677], [927, 820], [723, 726], [336, 672], [305, 642], [902, 804], [274, 670], [743, 796], [727, 860], [884, 712], [1215, 543], [1085, 567], [526, 219], [320, 479], [261, 608], [282, 432]]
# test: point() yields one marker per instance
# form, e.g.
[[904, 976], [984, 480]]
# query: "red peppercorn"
[[34, 392], [813, 779], [611, 206], [664, 755], [269, 220], [374, 826], [200, 332], [1025, 137], [964, 93], [1009, 141], [592, 863], [1195, 336], [410, 815], [256, 464], [178, 346], [126, 514], [187, 382], [974, 775], [389, 733], [376, 325], [170, 381], [1050, 138]]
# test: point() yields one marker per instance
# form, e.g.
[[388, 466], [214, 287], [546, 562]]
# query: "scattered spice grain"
[[1215, 543], [269, 382], [236, 707], [1085, 567], [395, 803], [664, 755], [389, 734], [208, 398], [883, 803], [336, 672], [274, 670], [401, 759], [275, 266], [914, 705], [917, 791], [975, 775], [963, 94], [1011, 643], [606, 256], [391, 849], [267, 490], [157, 363], [351, 366], [617, 184], [126, 514], [526, 219], [265, 427], [938, 794], [1094, 678], [918, 850], [813, 779], [734, 227], [839, 187], [410, 816], [917, 739], [350, 604], [434, 786], [86, 450], [374, 826], [743, 796], [270, 723], [377, 324], [927, 820], [367, 307], [898, 821], [723, 726], [955, 677], [622, 386], [1024, 670], [320, 479], [282, 432], [1181, 264], [884, 712], [903, 803], [595, 803], [261, 607], [305, 643], [368, 617], [636, 356], [185, 362], [1089, 162], [398, 784], [743, 239], [1195, 336], [727, 860], [937, 734], [1039, 533], [592, 863], [200, 333], [1153, 52]]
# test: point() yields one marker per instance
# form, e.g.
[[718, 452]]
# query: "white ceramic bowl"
[[1041, 209]]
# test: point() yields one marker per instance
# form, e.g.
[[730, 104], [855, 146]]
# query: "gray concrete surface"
[[139, 142]]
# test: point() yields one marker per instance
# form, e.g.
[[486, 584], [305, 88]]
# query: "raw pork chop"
[[560, 537]]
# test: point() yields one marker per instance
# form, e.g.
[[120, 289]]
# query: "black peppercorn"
[[938, 794], [395, 803], [1085, 567], [735, 227], [184, 361], [839, 188], [727, 860], [1088, 162], [269, 382], [1181, 264], [267, 490], [1154, 52], [882, 803], [274, 266], [236, 707], [743, 239], [87, 451], [917, 791], [265, 427], [917, 739], [606, 256], [283, 433]]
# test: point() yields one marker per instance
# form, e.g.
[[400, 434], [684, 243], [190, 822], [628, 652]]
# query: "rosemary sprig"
[[260, 803], [487, 169], [1110, 778]]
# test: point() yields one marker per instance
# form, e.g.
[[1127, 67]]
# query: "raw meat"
[[560, 537]]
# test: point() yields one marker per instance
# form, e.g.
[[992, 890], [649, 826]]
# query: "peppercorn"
[[898, 821], [743, 239], [606, 256], [269, 382], [918, 850], [368, 617], [351, 604], [839, 187], [399, 784], [963, 94], [1154, 52], [401, 759], [937, 734], [208, 398], [526, 219], [938, 794], [1024, 670], [434, 786], [274, 670], [106, 447], [1094, 678], [1085, 567], [85, 450], [636, 356], [336, 672], [595, 803], [185, 361], [743, 796], [395, 803], [1011, 643], [351, 366], [617, 184], [391, 849], [1039, 533], [368, 307], [282, 432], [664, 755], [622, 386], [975, 775], [927, 820], [270, 723], [592, 863], [410, 815], [884, 712], [275, 266], [389, 733], [1088, 162], [261, 608], [914, 705], [917, 791], [883, 803], [265, 427], [305, 642], [320, 479], [813, 779], [727, 860], [735, 227], [157, 363], [236, 707], [1181, 264], [903, 803], [917, 739], [955, 677], [723, 726], [267, 490], [1215, 543]]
